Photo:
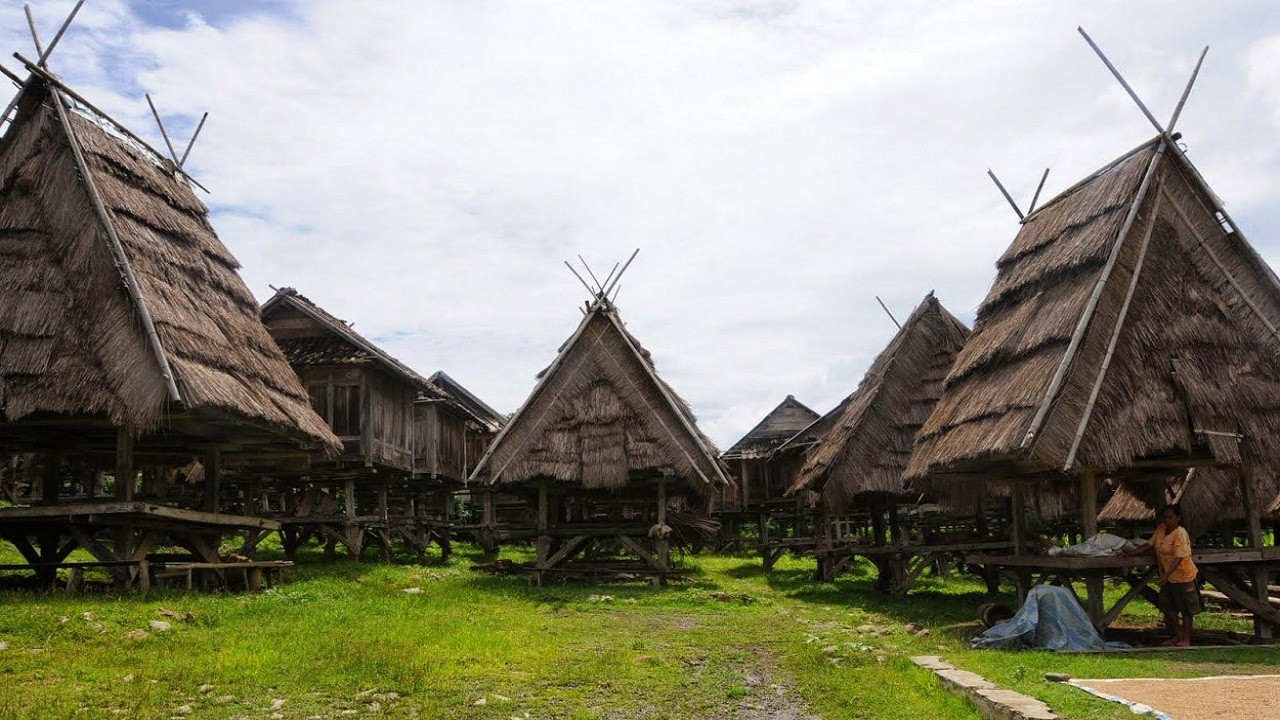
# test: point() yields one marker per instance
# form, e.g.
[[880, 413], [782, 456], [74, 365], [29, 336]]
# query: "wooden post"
[[213, 480], [746, 485], [349, 498], [1018, 517], [49, 481], [544, 511], [1088, 504], [125, 473], [661, 545], [544, 540], [383, 512], [878, 525], [490, 508], [1261, 574], [895, 524]]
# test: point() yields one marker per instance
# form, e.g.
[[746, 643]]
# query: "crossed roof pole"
[[40, 69], [1166, 133]]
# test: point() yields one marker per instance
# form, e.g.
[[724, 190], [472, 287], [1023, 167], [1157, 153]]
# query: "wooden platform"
[[120, 535], [1224, 568]]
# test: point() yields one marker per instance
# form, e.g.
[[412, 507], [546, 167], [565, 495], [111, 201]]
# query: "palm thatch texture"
[[1209, 497], [600, 418], [79, 280], [1127, 332], [866, 451]]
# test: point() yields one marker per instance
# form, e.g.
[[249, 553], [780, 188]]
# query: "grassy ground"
[[347, 640]]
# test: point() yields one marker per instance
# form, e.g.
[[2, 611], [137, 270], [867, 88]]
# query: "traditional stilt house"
[[853, 476], [129, 347], [408, 443], [607, 454], [1132, 332], [759, 483]]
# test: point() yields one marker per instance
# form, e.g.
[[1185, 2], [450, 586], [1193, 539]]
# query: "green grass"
[[339, 637]]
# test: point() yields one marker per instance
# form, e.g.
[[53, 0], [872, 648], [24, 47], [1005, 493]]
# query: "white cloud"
[[423, 168]]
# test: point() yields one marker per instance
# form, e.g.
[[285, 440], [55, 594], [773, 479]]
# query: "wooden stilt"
[[49, 481], [125, 473], [1261, 575], [1088, 503], [213, 481], [661, 543], [1018, 517]]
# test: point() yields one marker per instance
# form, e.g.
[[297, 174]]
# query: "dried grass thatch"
[[1208, 496], [1195, 356], [71, 341], [781, 424], [867, 450], [601, 418]]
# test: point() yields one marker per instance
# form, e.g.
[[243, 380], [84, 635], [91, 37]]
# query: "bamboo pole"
[[1078, 334], [117, 250], [1115, 336]]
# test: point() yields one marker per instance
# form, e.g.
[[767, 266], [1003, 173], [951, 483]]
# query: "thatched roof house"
[[119, 305], [1127, 332], [600, 418], [781, 424], [867, 449]]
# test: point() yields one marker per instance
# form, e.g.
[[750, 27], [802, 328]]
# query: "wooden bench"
[[252, 573]]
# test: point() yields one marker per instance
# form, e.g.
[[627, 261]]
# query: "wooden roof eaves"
[[338, 327], [439, 375], [789, 399]]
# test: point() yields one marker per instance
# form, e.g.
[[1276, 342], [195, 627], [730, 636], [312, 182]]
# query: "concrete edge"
[[992, 701]]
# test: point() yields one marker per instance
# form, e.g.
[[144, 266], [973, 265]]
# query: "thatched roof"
[[1207, 496], [79, 282], [601, 418], [1126, 329], [782, 423], [867, 449]]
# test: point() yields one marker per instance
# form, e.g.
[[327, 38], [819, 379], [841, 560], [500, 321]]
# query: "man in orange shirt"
[[1179, 599]]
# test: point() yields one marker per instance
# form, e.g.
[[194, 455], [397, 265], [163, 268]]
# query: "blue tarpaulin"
[[1051, 619]]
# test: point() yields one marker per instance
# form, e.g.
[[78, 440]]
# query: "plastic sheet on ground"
[[1099, 545], [1051, 619]]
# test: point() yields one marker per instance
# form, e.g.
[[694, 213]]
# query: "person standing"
[[1179, 598]]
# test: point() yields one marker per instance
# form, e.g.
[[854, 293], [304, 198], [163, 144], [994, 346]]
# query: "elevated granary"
[[866, 450], [601, 418], [119, 306], [611, 456], [1129, 330]]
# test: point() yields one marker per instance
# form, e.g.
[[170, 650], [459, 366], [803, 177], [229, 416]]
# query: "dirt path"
[[769, 697]]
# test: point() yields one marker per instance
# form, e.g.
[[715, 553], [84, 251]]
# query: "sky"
[[423, 169]]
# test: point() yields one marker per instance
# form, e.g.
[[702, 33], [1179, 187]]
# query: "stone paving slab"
[[992, 701]]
